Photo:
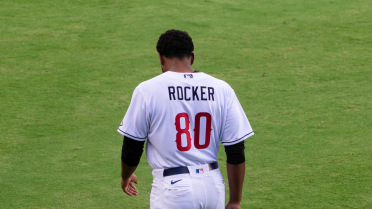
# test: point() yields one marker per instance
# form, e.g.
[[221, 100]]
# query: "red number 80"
[[186, 131]]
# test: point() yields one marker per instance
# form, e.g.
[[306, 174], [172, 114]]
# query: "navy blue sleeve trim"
[[238, 139], [131, 135]]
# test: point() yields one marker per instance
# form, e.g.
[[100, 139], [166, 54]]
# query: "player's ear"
[[192, 58], [161, 59]]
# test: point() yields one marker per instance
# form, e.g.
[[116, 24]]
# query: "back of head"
[[175, 43]]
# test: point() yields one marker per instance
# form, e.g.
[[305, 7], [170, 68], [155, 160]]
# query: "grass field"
[[301, 70]]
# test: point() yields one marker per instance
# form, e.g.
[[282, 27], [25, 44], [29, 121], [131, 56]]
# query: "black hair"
[[175, 43]]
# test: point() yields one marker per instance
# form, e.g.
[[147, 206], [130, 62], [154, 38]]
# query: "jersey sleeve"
[[135, 124], [237, 127]]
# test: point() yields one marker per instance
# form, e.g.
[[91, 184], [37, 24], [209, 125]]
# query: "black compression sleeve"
[[235, 153], [131, 151]]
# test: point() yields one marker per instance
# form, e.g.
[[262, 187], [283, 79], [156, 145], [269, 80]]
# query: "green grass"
[[301, 70]]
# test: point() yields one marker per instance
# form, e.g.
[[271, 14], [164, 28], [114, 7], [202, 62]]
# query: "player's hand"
[[128, 186], [233, 206]]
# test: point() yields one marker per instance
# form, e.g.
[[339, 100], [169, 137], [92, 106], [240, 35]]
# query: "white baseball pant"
[[200, 189]]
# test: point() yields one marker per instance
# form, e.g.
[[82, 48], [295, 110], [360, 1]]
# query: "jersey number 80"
[[185, 130]]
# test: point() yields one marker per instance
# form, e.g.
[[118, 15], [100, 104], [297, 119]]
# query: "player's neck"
[[177, 65], [179, 70]]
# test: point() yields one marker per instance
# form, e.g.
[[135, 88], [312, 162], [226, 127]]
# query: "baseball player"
[[183, 115]]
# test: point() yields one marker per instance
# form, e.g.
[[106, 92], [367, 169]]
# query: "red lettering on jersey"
[[181, 131], [208, 130]]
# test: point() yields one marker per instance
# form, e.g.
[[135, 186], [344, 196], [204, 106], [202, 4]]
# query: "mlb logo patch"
[[199, 171]]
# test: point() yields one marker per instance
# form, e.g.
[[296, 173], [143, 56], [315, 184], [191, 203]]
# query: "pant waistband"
[[182, 170]]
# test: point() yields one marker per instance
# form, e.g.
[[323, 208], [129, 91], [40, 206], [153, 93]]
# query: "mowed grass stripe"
[[300, 69]]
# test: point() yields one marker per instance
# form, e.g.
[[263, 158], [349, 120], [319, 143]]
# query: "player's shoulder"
[[218, 81], [150, 83], [219, 84]]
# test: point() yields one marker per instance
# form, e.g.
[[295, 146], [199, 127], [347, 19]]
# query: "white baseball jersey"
[[183, 117]]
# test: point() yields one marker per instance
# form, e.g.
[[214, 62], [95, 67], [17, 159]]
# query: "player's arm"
[[130, 156], [235, 173]]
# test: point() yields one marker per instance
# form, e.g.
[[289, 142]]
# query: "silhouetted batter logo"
[[188, 75]]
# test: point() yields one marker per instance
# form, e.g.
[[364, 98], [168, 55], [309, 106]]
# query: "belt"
[[184, 169]]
